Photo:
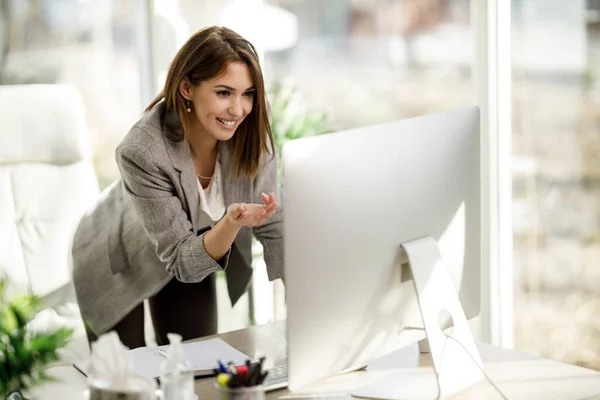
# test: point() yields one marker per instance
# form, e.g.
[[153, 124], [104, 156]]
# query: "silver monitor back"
[[351, 198]]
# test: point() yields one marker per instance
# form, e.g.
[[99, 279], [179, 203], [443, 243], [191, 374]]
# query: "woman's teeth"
[[225, 122]]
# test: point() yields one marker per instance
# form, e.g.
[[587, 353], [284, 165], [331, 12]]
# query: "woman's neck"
[[204, 155], [202, 143], [203, 148]]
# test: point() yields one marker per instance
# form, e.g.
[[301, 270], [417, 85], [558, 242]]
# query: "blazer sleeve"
[[270, 234], [163, 217]]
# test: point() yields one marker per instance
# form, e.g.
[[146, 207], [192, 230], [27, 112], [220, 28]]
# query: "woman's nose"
[[235, 109]]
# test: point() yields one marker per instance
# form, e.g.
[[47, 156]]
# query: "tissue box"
[[109, 394]]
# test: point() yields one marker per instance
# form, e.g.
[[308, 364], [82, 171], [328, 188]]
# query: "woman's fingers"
[[255, 214], [266, 198], [236, 211], [270, 211]]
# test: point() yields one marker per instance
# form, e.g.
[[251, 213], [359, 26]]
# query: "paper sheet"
[[202, 355]]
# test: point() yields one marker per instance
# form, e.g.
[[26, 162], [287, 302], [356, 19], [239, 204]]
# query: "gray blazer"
[[143, 231]]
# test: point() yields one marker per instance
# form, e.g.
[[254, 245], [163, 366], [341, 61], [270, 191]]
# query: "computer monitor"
[[351, 198]]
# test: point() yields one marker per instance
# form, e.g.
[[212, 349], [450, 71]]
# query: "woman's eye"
[[223, 93], [250, 94]]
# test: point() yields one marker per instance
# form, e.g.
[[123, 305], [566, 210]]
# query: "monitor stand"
[[456, 361]]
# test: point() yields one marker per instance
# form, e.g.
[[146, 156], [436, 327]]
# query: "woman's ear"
[[185, 88]]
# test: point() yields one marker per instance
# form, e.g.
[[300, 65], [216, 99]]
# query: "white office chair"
[[47, 182]]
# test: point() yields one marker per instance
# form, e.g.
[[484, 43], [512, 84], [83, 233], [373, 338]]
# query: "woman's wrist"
[[219, 239], [229, 222]]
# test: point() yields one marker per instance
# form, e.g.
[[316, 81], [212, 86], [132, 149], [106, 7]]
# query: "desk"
[[519, 376], [268, 340]]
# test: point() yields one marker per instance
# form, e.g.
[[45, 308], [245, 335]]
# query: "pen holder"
[[241, 393]]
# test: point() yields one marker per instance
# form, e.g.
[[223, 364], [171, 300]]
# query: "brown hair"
[[204, 56]]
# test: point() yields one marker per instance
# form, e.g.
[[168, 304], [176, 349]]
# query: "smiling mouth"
[[227, 123]]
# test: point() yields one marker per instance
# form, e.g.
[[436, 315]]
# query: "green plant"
[[290, 119], [24, 353]]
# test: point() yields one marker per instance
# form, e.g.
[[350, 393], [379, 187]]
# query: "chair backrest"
[[47, 182]]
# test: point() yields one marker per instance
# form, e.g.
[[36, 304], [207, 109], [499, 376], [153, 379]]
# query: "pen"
[[232, 368], [242, 371], [259, 372], [253, 374], [223, 379], [221, 366], [262, 377], [249, 374]]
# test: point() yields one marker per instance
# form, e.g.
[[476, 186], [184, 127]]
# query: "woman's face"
[[221, 104]]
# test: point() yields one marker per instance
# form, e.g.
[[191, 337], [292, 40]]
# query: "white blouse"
[[211, 197]]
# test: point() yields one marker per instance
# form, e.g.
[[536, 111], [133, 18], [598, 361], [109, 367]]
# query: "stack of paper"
[[201, 355]]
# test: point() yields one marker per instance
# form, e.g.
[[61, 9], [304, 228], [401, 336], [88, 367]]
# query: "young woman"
[[199, 177]]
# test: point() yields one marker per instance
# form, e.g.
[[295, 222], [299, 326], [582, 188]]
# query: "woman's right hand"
[[250, 215]]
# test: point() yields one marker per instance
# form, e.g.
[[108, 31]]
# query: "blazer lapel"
[[181, 159]]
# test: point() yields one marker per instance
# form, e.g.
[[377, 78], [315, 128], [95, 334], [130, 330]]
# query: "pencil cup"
[[241, 393]]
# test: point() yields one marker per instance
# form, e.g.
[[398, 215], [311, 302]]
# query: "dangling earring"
[[187, 103]]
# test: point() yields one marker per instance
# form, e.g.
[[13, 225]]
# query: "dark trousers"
[[189, 309]]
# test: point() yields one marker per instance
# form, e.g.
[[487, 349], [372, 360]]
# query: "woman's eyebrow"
[[225, 87], [232, 89]]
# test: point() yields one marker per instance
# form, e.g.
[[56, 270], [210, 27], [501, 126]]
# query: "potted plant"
[[290, 119], [24, 353]]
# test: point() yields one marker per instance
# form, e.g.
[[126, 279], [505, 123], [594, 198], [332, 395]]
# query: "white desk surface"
[[519, 376]]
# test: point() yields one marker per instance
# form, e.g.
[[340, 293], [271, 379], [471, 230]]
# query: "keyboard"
[[277, 378]]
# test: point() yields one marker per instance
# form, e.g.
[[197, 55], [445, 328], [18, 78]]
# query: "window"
[[97, 46], [364, 62], [556, 178], [371, 61]]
